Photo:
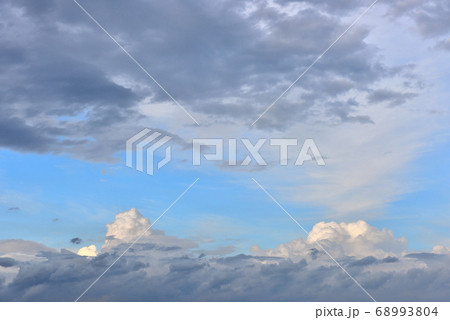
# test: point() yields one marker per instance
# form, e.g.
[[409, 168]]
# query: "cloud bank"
[[166, 268]]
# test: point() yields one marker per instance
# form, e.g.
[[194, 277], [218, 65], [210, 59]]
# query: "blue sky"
[[224, 206], [83, 199]]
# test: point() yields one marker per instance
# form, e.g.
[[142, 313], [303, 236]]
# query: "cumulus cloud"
[[357, 239], [89, 251], [441, 250], [126, 228], [165, 268], [131, 224]]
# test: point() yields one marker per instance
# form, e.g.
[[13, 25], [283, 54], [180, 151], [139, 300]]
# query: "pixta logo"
[[148, 141], [141, 148], [308, 151]]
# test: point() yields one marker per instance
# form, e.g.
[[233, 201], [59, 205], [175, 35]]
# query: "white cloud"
[[126, 228], [129, 225], [90, 251], [356, 239], [441, 250]]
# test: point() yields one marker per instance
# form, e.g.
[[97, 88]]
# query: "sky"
[[375, 104]]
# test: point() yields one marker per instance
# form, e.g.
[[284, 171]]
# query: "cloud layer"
[[165, 268], [357, 239], [67, 88]]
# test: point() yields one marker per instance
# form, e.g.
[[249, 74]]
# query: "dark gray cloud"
[[17, 135], [7, 262], [394, 98], [158, 270], [14, 209], [179, 276], [67, 88], [76, 240]]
